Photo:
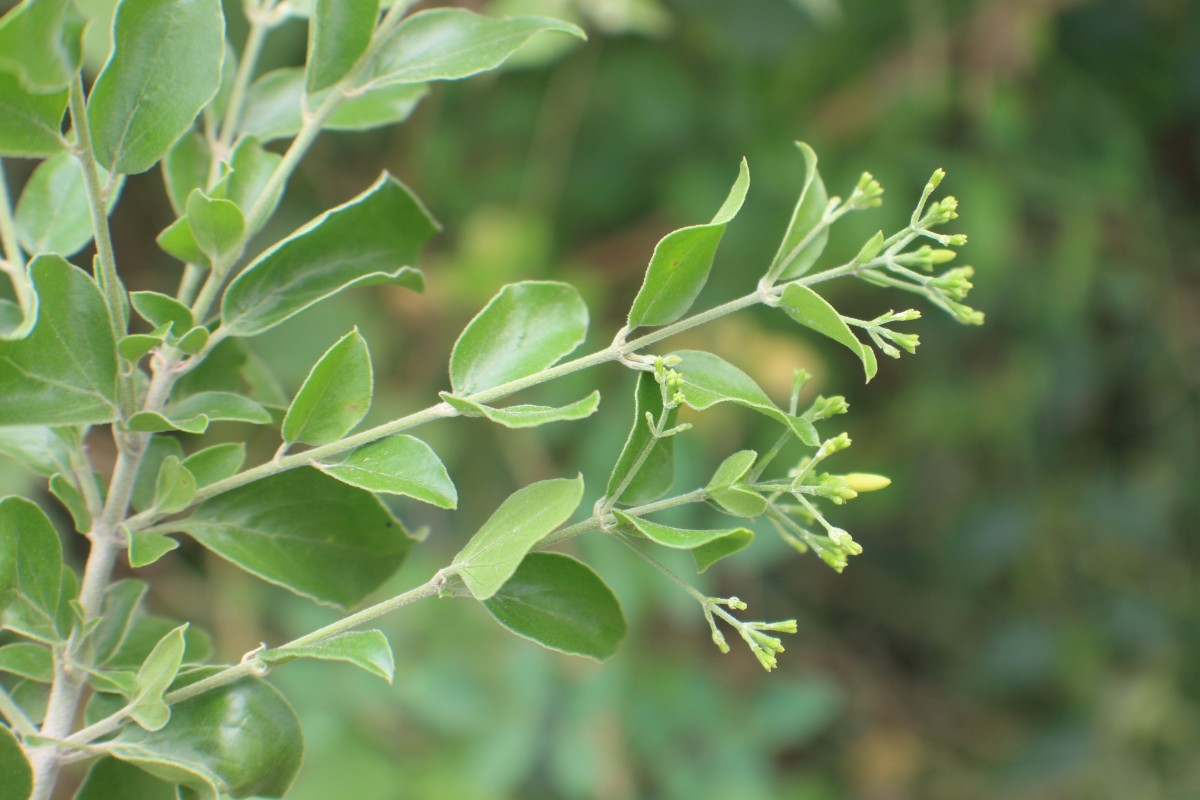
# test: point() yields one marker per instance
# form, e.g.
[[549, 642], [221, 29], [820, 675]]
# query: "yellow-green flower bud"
[[866, 482]]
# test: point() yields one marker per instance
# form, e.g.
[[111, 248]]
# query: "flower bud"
[[866, 482]]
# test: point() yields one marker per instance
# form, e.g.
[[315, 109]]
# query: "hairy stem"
[[613, 352], [106, 260], [253, 664]]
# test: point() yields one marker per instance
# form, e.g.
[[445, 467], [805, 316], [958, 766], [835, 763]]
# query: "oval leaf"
[[446, 44], [16, 776], [527, 416], [165, 67], [185, 168], [338, 34], [40, 42], [677, 538], [335, 396], [521, 521], [657, 473], [160, 309], [275, 103], [732, 470], [121, 601], [397, 465], [220, 407], [216, 463], [65, 371], [807, 232], [367, 650], [31, 571], [110, 779], [29, 123], [157, 672], [368, 240], [526, 328], [242, 740], [709, 379], [53, 215], [560, 603], [216, 225], [681, 262], [147, 547], [813, 311], [305, 531], [32, 661]]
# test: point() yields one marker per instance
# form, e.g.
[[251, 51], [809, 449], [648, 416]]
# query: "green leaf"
[[175, 488], [397, 465], [155, 422], [335, 396], [560, 603], [16, 776], [53, 215], [194, 340], [447, 44], [305, 531], [723, 491], [194, 414], [64, 372], [241, 740], [40, 42], [31, 571], [147, 547], [657, 473], [216, 225], [185, 168], [366, 241], [681, 262], [732, 470], [275, 102], [521, 521], [40, 449], [526, 328], [121, 602], [251, 168], [527, 416], [157, 451], [178, 241], [709, 379], [157, 672], [805, 239], [165, 67], [367, 650], [216, 463], [338, 35], [32, 661], [813, 311], [110, 779], [135, 346], [29, 123], [160, 309], [146, 631], [739, 502], [63, 489], [703, 543], [708, 554]]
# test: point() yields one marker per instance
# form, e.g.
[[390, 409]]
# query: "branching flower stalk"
[[96, 370]]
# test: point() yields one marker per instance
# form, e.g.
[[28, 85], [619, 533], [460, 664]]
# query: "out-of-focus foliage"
[[1023, 623]]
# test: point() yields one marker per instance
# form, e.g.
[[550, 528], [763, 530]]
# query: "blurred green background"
[[1025, 621]]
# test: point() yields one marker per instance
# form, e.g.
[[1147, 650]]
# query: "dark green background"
[[1024, 621]]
